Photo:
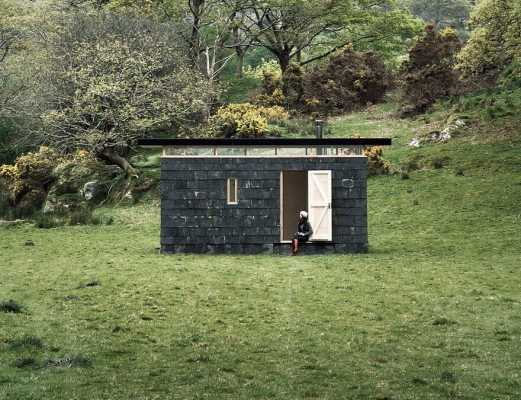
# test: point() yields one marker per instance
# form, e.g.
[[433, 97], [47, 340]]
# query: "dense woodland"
[[89, 78]]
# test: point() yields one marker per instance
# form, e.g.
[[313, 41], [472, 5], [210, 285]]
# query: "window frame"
[[232, 200]]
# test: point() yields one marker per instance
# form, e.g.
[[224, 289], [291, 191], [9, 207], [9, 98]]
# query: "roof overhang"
[[275, 142]]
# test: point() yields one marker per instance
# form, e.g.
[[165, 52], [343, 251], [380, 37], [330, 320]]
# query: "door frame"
[[281, 210]]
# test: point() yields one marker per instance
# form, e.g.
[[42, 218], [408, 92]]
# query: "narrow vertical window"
[[232, 191]]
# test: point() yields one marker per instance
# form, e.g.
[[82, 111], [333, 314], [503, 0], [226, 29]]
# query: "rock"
[[79, 185], [442, 136], [94, 191], [29, 243], [415, 142], [70, 177]]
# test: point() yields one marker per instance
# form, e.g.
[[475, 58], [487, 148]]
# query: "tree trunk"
[[121, 162], [240, 63], [284, 60]]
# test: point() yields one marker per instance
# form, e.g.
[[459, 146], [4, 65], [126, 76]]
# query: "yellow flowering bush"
[[29, 170], [246, 120], [376, 164], [275, 114], [270, 67], [276, 98]]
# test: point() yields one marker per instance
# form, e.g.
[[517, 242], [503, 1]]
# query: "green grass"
[[432, 312]]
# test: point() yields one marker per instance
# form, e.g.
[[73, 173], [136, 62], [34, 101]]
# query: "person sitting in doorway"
[[304, 232]]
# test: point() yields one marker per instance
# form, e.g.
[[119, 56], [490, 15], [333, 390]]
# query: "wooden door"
[[319, 204]]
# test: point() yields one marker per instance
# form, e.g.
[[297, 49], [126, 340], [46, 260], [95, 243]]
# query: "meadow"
[[433, 311]]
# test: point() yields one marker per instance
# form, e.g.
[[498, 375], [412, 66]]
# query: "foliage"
[[303, 32], [495, 40], [11, 306], [376, 164], [115, 79], [267, 67], [238, 90], [429, 73], [79, 216], [246, 119], [442, 13], [350, 79], [489, 104], [32, 171]]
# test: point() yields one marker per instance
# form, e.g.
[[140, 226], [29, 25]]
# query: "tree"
[[114, 79], [495, 39], [15, 30], [442, 13], [289, 28]]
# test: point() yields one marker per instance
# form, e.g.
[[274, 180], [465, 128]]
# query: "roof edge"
[[267, 142]]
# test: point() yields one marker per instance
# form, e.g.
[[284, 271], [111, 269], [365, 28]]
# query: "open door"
[[294, 198], [319, 204]]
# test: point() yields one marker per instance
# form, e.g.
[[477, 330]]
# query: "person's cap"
[[303, 214]]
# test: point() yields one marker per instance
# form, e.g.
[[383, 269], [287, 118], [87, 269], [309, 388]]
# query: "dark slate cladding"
[[195, 217]]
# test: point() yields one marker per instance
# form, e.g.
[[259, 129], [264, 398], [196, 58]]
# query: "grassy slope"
[[432, 312]]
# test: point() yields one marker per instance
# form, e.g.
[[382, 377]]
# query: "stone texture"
[[195, 217]]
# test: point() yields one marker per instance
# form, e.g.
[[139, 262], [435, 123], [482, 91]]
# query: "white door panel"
[[319, 204]]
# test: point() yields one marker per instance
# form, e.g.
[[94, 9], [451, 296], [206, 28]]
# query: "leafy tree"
[[290, 28], [16, 19], [495, 40], [442, 13], [114, 79]]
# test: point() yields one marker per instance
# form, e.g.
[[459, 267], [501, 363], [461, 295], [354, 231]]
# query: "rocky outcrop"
[[452, 128], [79, 185]]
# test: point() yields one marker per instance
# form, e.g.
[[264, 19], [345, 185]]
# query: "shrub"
[[376, 164], [271, 93], [30, 177], [429, 73], [413, 163], [246, 120], [26, 341], [293, 85], [47, 221], [276, 98], [439, 162], [81, 216], [267, 67], [26, 362], [348, 80], [11, 306]]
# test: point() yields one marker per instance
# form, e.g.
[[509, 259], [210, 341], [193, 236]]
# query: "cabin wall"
[[195, 217]]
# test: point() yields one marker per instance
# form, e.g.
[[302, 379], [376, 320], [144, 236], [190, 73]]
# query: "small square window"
[[232, 191]]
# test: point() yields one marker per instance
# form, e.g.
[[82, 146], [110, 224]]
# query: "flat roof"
[[276, 142]]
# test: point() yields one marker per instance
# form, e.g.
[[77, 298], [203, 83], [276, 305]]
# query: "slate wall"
[[195, 217]]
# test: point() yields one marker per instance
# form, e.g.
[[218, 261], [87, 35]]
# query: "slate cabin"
[[244, 195]]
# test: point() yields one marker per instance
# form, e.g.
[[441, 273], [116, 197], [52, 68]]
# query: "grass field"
[[432, 312]]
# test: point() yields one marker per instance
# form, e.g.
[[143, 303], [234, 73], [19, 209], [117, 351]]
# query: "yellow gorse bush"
[[247, 120], [31, 167]]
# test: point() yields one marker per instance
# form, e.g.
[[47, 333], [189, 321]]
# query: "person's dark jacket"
[[304, 230]]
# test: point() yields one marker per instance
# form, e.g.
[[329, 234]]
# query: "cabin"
[[245, 195]]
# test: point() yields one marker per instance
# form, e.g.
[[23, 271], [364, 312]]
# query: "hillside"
[[431, 312]]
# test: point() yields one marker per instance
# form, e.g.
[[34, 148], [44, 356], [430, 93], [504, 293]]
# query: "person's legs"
[[294, 245]]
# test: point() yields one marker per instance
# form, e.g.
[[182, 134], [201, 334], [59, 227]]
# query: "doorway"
[[294, 198]]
